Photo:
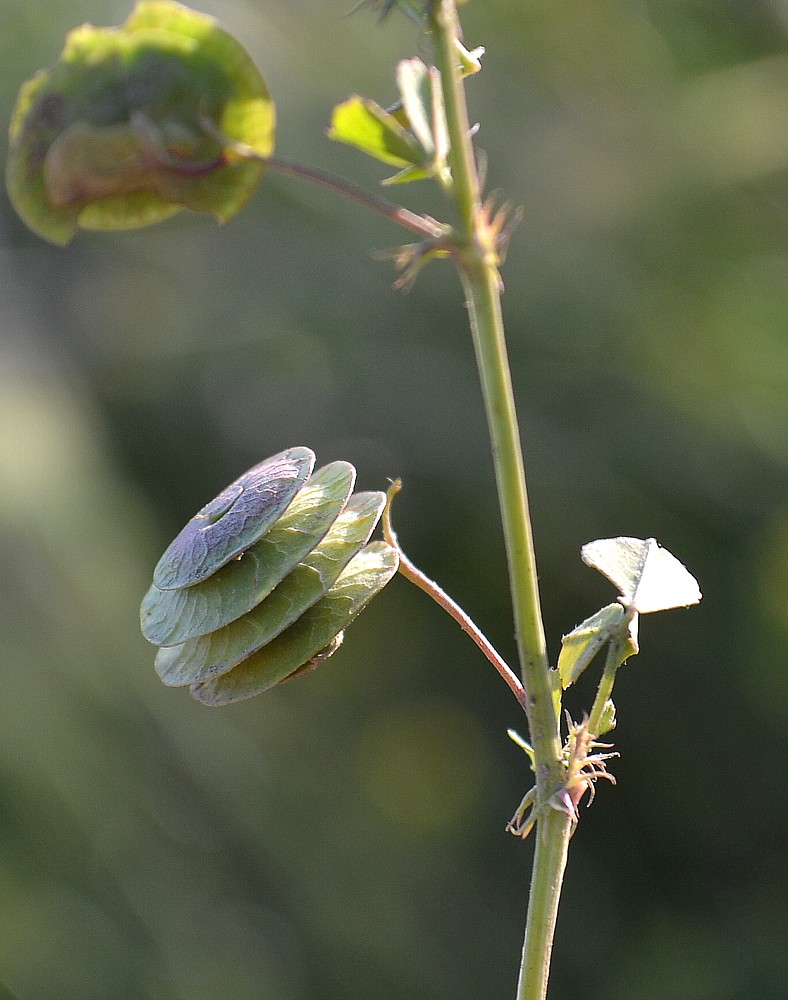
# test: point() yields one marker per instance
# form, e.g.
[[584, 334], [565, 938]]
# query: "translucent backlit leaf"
[[413, 82], [422, 103], [413, 135], [362, 123], [649, 577]]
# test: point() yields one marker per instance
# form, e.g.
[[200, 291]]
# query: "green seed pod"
[[135, 123], [262, 582]]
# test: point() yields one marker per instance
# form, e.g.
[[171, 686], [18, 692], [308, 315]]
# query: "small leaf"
[[470, 59], [413, 82], [366, 574], [524, 745], [422, 103], [407, 175], [237, 518], [413, 135], [554, 679], [212, 655], [608, 720], [649, 578], [362, 123], [135, 123], [581, 645], [169, 617]]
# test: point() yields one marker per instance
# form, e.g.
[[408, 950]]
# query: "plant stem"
[[606, 681], [481, 283], [232, 149], [553, 830], [423, 225], [411, 572]]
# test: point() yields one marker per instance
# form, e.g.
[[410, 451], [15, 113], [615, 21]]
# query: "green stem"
[[605, 689], [481, 283], [553, 830]]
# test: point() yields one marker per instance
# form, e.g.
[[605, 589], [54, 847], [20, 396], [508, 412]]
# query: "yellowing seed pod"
[[134, 123]]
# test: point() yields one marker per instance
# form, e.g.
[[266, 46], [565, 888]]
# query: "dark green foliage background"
[[343, 837]]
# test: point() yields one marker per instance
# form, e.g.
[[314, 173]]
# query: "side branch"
[[411, 572], [421, 224]]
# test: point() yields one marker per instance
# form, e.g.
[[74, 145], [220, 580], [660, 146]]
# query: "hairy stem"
[[482, 286]]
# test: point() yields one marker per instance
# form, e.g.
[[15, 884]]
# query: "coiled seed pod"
[[261, 583]]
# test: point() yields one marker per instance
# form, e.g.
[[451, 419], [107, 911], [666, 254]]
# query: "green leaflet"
[[137, 122], [608, 720], [412, 136], [649, 579], [422, 103], [362, 123], [581, 645]]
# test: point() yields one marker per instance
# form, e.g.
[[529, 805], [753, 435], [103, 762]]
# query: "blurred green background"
[[343, 837]]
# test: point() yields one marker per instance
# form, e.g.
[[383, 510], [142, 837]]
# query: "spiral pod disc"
[[211, 655], [170, 617], [238, 517], [261, 583], [311, 636]]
